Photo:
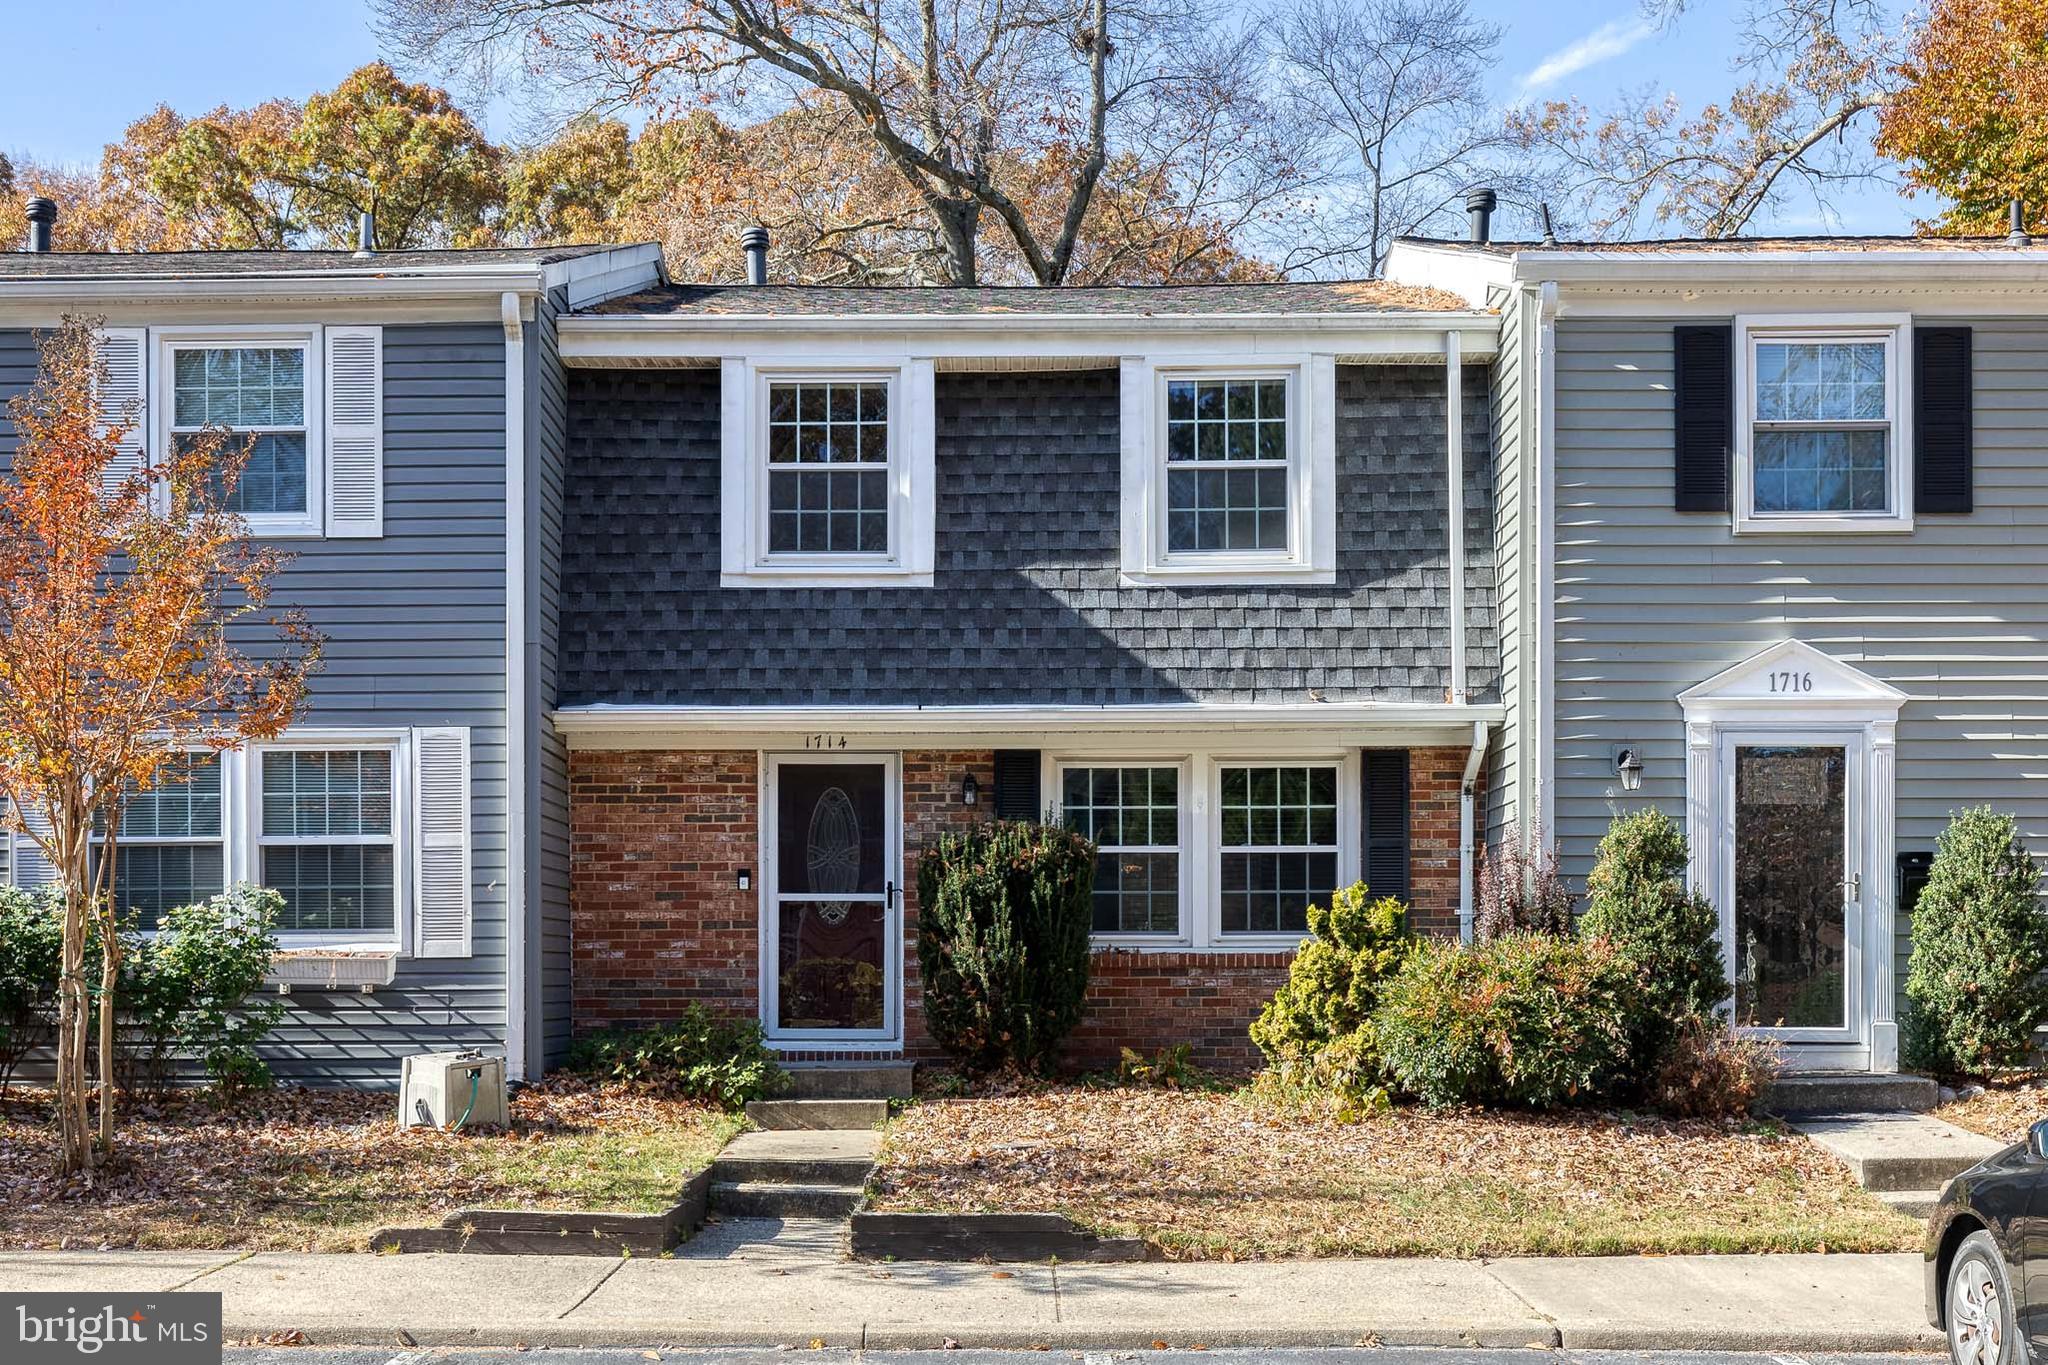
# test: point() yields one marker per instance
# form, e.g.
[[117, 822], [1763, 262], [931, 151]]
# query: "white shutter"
[[440, 824], [355, 431], [123, 356], [32, 867]]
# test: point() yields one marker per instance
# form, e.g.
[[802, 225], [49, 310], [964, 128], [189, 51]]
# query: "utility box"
[[452, 1090]]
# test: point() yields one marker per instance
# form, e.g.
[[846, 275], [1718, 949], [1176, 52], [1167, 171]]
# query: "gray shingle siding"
[[415, 626], [1651, 601], [1026, 606]]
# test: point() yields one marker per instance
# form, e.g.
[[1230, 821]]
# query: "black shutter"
[[1942, 461], [1703, 413], [1386, 822], [1017, 785]]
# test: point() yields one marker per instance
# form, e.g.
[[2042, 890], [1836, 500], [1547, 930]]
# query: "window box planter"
[[331, 969]]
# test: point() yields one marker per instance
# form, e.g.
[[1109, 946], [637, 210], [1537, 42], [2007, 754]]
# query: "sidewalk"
[[729, 1290]]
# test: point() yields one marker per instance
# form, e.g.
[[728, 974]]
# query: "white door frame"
[[1794, 693], [888, 1038]]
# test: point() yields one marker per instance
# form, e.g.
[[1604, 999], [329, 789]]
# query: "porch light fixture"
[[1629, 767], [970, 791]]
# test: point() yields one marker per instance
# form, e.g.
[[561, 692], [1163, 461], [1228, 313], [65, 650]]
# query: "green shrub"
[[192, 991], [31, 954], [1980, 948], [1637, 899], [1331, 991], [1526, 1020], [699, 1055], [1004, 912], [1168, 1068]]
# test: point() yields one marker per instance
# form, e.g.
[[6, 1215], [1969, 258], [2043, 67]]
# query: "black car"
[[1987, 1257]]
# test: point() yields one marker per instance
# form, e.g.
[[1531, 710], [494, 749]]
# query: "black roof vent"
[[1479, 207], [42, 222], [2016, 225], [366, 235], [754, 242], [1549, 233]]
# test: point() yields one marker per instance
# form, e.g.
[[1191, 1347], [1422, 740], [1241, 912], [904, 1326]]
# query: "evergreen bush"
[[1637, 899], [1976, 985], [1527, 1020], [1332, 989], [31, 953], [1004, 914]]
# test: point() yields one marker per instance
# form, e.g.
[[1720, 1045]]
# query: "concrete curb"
[[557, 1232], [983, 1237]]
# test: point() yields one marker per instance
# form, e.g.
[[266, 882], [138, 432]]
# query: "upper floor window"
[[1821, 445], [1229, 471], [259, 394], [827, 474]]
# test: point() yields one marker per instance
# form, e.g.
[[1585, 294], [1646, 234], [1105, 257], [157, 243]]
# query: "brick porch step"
[[787, 1115]]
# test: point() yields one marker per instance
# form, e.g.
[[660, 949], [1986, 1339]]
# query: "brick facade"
[[659, 838]]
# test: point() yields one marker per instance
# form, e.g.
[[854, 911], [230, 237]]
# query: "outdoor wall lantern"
[[970, 791], [1629, 767]]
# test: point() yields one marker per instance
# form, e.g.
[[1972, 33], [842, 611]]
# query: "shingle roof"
[[1737, 245], [53, 265], [1342, 296]]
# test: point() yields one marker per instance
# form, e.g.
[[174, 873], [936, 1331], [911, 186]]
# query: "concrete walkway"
[[742, 1285]]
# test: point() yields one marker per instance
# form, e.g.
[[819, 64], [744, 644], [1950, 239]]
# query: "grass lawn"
[[320, 1170], [1207, 1175], [2004, 1111]]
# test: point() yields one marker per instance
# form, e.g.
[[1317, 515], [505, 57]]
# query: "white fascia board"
[[603, 726], [325, 298], [623, 339], [1949, 270]]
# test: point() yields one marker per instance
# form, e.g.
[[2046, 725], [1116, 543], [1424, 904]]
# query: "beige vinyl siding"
[[1650, 601]]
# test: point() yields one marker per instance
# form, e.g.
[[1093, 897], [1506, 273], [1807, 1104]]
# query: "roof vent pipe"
[[1549, 233], [754, 242], [42, 221], [2016, 225], [366, 235], [1479, 206]]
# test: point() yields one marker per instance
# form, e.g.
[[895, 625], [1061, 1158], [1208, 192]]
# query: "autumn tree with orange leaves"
[[127, 589]]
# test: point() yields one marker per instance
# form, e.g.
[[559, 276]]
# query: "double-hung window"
[[172, 849], [827, 474], [265, 391], [1132, 813], [1229, 471], [1821, 443], [327, 838], [1278, 846]]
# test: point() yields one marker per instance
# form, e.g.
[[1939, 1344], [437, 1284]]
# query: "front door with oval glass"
[[1793, 912], [832, 941]]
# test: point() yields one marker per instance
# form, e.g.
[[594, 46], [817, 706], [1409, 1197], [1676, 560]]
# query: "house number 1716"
[[1789, 680]]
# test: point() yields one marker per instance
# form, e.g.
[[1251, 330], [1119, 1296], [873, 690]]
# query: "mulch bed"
[[1229, 1175], [321, 1169]]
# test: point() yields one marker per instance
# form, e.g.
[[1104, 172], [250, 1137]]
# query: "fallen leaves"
[[2002, 1110], [1224, 1176]]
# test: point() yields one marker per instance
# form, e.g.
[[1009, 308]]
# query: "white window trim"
[[744, 558], [1201, 926], [1311, 556], [163, 341], [246, 862], [1186, 850], [1895, 330]]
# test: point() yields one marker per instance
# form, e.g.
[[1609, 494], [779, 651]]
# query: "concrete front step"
[[798, 1157], [1912, 1203], [748, 1199], [1849, 1092], [789, 1115], [850, 1080], [1898, 1152]]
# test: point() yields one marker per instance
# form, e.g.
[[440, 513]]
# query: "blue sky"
[[85, 68]]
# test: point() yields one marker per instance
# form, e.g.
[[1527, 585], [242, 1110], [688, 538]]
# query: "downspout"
[[515, 685], [1545, 700], [1454, 463], [1467, 823]]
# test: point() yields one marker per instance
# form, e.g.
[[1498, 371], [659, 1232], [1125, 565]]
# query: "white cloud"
[[1604, 43]]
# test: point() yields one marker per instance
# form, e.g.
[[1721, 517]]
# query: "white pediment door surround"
[[1794, 688]]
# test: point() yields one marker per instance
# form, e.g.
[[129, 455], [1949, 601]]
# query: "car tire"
[[1977, 1306]]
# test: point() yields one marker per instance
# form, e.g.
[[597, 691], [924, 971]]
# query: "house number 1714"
[[1791, 680], [824, 741]]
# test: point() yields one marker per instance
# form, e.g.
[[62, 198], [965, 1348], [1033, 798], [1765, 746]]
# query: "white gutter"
[[515, 686], [1454, 463], [1546, 561], [604, 718], [1467, 823], [1419, 320]]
